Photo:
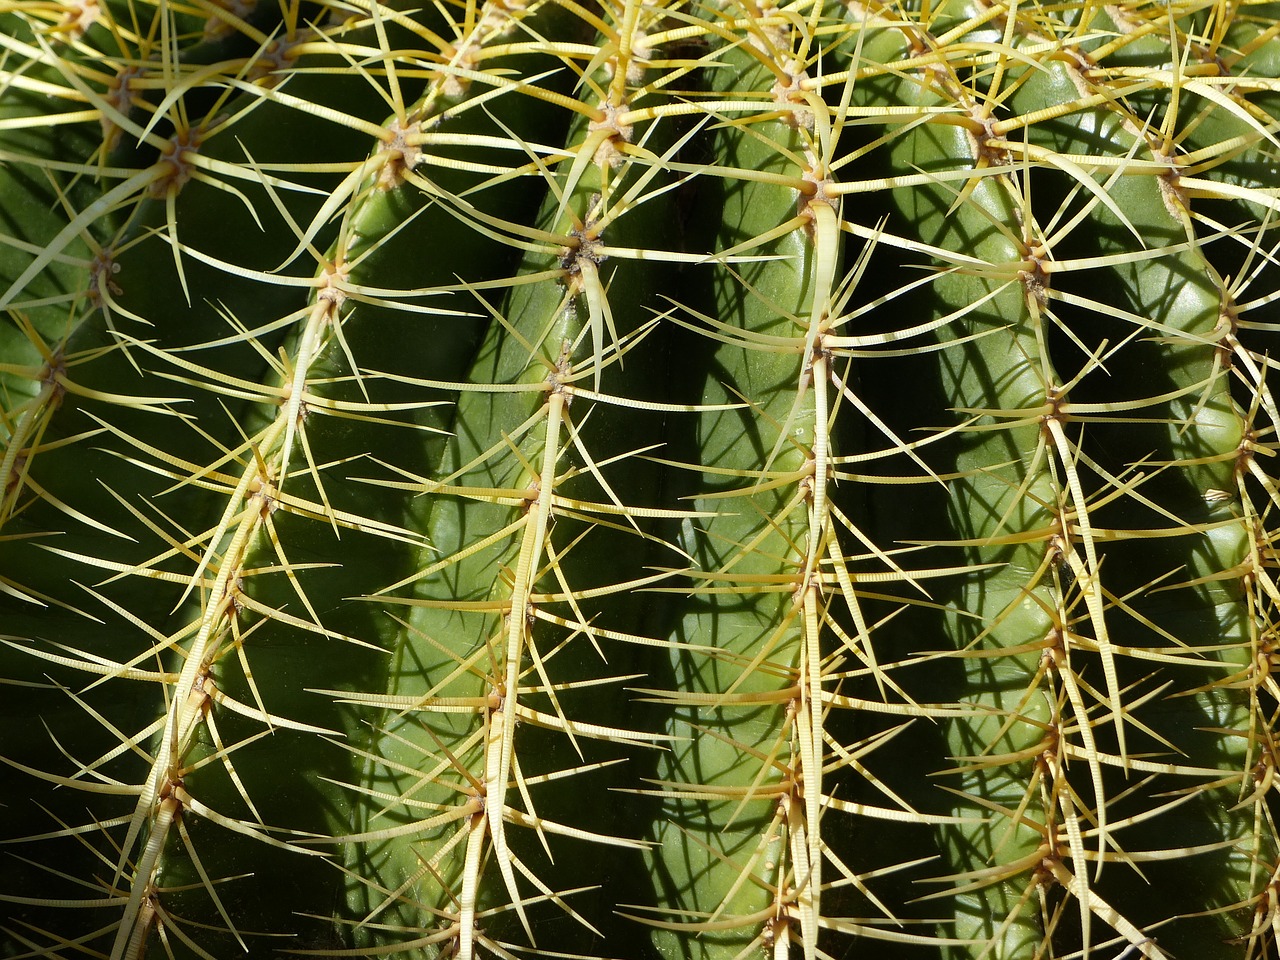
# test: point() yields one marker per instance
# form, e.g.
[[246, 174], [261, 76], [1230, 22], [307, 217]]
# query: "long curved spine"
[[773, 615], [279, 520], [486, 816]]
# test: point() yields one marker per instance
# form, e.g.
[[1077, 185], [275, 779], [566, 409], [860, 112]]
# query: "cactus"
[[540, 478]]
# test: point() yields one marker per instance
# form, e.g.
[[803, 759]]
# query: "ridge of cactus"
[[542, 478]]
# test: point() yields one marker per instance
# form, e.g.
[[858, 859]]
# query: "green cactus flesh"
[[536, 478]]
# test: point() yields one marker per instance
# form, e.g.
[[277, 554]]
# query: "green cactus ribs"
[[639, 480]]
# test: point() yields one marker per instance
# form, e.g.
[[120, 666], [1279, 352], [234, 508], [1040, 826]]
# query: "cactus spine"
[[539, 478]]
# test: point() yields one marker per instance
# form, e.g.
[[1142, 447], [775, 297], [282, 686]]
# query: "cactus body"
[[639, 480]]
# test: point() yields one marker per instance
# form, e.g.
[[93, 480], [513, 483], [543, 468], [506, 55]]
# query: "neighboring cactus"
[[644, 480]]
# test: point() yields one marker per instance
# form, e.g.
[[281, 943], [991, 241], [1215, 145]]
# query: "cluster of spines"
[[244, 574], [279, 493], [1173, 293], [537, 501], [742, 846]]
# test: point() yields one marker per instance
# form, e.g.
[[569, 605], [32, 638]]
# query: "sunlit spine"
[[742, 852], [489, 813]]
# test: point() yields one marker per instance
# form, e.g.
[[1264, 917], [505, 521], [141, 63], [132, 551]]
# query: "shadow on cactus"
[[627, 480]]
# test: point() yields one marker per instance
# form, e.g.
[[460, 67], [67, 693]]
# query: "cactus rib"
[[533, 478]]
